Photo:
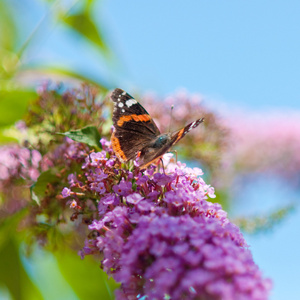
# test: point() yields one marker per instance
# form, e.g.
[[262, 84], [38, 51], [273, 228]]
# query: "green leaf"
[[89, 281], [12, 273], [8, 30], [34, 196], [82, 23], [88, 135], [38, 189], [43, 270], [4, 139], [13, 105], [259, 223]]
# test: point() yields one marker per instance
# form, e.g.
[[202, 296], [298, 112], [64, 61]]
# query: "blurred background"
[[239, 59]]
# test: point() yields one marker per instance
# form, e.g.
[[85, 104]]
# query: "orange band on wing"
[[150, 162], [137, 118], [180, 133], [117, 148]]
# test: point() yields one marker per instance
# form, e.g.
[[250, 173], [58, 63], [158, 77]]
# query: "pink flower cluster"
[[255, 142], [17, 162], [186, 107], [264, 143], [159, 235]]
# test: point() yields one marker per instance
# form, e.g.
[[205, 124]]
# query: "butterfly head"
[[159, 146], [161, 141]]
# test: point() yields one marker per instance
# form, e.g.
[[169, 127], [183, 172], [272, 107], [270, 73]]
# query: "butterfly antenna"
[[171, 117]]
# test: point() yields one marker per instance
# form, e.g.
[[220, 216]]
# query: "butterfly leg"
[[162, 163]]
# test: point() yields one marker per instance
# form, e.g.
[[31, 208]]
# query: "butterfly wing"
[[178, 135], [162, 144], [133, 126]]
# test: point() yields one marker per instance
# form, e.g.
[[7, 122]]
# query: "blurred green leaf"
[[8, 226], [6, 139], [89, 281], [8, 31], [34, 197], [43, 270], [39, 188], [12, 273], [13, 105], [88, 135], [257, 224], [222, 197], [9, 63], [62, 73], [89, 3], [83, 24]]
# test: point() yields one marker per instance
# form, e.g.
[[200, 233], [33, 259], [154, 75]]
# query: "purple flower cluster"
[[159, 235], [184, 257]]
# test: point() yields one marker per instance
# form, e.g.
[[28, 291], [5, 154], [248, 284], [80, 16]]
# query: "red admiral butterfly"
[[135, 133]]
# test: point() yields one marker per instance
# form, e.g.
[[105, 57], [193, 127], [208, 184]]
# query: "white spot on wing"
[[123, 110], [120, 104], [124, 93], [130, 102]]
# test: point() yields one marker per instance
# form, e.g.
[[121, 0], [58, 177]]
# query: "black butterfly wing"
[[133, 127], [163, 143], [177, 136]]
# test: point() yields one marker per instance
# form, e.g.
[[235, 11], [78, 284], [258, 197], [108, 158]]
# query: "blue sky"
[[245, 54], [242, 52]]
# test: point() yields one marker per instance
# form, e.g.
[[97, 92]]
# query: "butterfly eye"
[[162, 140]]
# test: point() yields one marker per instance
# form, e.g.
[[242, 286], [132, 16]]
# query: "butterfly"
[[135, 134]]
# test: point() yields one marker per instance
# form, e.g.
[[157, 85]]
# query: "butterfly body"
[[135, 133]]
